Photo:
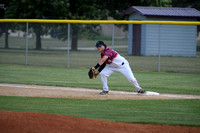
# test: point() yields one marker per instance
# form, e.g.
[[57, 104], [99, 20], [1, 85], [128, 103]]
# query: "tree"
[[186, 3], [53, 9], [83, 10], [115, 7], [4, 26], [37, 9]]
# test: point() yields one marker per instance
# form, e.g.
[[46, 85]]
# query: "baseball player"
[[116, 63]]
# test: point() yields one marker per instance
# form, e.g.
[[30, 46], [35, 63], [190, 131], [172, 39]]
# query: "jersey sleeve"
[[108, 53], [111, 55]]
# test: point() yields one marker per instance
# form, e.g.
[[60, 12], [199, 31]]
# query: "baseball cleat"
[[141, 91], [103, 93]]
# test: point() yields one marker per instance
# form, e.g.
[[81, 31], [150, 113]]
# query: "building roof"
[[163, 11]]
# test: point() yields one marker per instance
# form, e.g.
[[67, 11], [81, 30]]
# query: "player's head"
[[100, 43]]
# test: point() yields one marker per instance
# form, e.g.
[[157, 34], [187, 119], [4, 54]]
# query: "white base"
[[151, 93]]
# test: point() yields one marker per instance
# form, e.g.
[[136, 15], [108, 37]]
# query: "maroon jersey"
[[111, 55]]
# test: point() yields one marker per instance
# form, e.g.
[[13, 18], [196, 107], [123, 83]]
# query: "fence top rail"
[[99, 21]]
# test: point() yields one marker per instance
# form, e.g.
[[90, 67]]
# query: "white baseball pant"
[[124, 69]]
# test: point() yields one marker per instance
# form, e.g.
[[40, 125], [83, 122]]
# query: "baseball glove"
[[91, 73]]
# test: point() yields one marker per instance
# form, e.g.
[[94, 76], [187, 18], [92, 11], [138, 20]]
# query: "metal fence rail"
[[98, 21]]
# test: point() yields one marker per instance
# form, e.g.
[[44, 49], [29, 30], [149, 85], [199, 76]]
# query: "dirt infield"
[[81, 93], [27, 122]]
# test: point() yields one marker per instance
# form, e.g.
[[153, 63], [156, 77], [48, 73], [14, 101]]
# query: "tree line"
[[75, 10]]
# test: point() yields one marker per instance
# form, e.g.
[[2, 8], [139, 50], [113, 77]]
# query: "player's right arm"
[[103, 59], [101, 62]]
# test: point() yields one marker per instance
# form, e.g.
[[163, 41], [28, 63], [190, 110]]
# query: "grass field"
[[175, 112], [171, 112]]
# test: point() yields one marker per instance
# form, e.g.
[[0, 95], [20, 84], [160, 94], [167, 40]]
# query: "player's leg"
[[127, 72], [105, 73]]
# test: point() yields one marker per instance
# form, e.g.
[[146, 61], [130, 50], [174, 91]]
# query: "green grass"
[[173, 112], [59, 76]]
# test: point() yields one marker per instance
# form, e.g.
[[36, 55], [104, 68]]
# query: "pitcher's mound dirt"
[[27, 122]]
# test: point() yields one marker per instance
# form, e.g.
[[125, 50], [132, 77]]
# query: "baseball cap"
[[99, 44]]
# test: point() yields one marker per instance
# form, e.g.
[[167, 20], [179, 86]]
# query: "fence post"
[[26, 58], [68, 38], [159, 49], [113, 35]]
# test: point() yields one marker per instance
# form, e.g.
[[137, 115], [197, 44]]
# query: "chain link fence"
[[48, 45]]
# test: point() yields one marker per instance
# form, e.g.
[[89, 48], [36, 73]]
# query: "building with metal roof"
[[166, 40]]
